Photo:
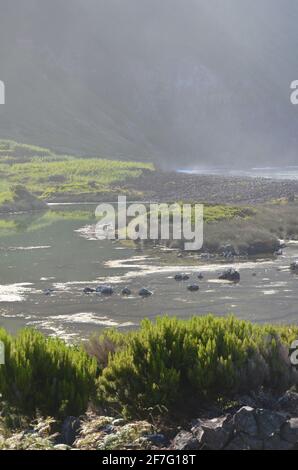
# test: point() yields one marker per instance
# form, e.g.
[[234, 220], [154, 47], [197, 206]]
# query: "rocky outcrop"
[[247, 428]]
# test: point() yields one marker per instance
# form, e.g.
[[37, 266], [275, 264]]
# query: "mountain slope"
[[197, 82]]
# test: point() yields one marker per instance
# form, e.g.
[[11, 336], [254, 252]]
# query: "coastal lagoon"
[[48, 258]]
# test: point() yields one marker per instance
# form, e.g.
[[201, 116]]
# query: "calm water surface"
[[54, 250]]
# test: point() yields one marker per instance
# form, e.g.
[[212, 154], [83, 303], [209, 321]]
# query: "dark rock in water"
[[200, 276], [278, 252], [254, 274], [48, 291], [107, 290], [193, 288], [230, 275], [294, 267], [70, 429], [181, 277], [145, 292], [88, 290], [126, 291]]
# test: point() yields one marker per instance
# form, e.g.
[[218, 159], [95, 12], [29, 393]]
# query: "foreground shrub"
[[174, 363], [45, 374]]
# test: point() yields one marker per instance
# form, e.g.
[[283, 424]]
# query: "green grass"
[[45, 174], [214, 213]]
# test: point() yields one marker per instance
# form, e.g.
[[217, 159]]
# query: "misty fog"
[[178, 82]]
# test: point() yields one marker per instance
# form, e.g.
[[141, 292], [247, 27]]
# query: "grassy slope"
[[48, 175]]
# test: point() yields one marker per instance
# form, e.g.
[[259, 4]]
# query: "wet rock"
[[69, 430], [145, 292], [289, 431], [185, 441], [213, 434], [230, 275], [294, 267], [200, 276], [48, 291], [88, 290], [126, 291], [193, 288], [106, 290], [181, 277]]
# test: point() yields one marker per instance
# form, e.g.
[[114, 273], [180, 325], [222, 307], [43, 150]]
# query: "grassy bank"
[[50, 177], [167, 366]]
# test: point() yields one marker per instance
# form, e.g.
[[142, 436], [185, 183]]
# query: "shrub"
[[45, 374], [174, 363]]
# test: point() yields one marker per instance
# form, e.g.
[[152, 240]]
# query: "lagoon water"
[[56, 250], [281, 173]]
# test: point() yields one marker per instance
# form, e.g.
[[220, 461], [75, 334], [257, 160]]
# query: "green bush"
[[174, 363], [44, 374]]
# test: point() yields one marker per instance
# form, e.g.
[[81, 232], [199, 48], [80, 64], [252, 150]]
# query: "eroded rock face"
[[248, 428]]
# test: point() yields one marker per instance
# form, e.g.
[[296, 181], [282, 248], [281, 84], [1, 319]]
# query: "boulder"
[[213, 434], [193, 288], [181, 277], [230, 275], [107, 290], [145, 292], [289, 402], [200, 276], [244, 441], [126, 291], [88, 290], [269, 422], [70, 430], [244, 421], [289, 431], [185, 441]]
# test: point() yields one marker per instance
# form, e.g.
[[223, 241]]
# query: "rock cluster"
[[247, 428]]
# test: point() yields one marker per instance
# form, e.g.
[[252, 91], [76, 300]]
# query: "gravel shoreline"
[[171, 186]]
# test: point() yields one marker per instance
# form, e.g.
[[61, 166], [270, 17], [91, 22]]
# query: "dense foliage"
[[172, 364], [44, 374]]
